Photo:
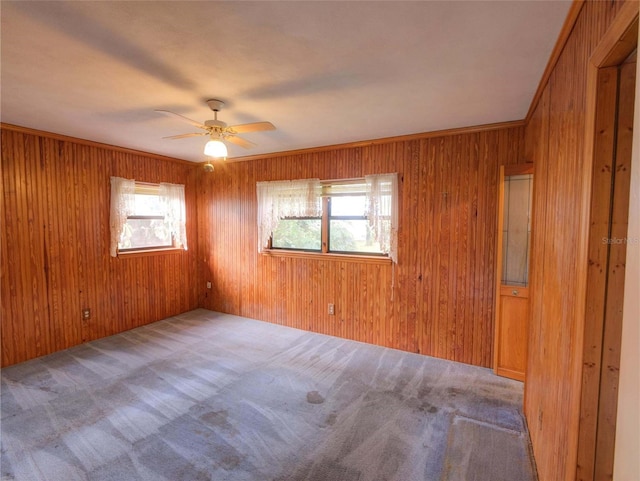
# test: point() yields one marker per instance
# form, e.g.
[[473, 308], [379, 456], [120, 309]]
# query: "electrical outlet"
[[86, 314], [331, 309], [208, 284]]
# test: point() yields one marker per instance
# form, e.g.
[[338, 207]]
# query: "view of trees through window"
[[349, 229], [298, 234]]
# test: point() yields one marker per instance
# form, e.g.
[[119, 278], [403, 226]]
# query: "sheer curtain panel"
[[285, 198], [382, 211], [122, 206], [175, 214]]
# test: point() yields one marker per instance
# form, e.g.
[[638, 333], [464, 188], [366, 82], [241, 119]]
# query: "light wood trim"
[[323, 256], [150, 252], [510, 373], [385, 140], [90, 143], [518, 169], [498, 272], [565, 32], [621, 38], [324, 229]]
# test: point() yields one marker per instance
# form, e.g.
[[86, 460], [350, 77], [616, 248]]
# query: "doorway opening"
[[614, 80]]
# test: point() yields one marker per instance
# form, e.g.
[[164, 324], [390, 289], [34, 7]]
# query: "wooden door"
[[512, 271]]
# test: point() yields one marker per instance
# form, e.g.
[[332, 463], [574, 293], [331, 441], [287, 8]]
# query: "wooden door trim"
[[498, 270], [620, 40], [616, 44]]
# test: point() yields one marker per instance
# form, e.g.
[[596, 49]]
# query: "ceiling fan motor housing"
[[215, 124], [215, 104]]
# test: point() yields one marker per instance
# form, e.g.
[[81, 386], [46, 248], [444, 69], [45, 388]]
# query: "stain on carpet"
[[314, 397]]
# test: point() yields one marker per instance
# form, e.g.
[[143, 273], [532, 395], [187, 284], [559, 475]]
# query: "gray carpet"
[[210, 396]]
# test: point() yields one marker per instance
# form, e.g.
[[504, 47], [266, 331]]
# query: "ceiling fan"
[[219, 131]]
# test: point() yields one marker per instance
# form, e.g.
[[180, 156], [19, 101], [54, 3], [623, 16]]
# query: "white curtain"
[[285, 198], [382, 211], [172, 198], [122, 206]]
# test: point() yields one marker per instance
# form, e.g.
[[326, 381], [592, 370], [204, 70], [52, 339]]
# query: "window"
[[349, 227], [146, 216], [346, 217], [146, 228], [298, 233]]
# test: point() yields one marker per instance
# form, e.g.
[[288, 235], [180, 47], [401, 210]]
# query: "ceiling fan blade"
[[240, 141], [252, 127], [183, 118], [184, 136]]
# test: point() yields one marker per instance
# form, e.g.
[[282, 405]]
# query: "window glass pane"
[[347, 205], [516, 229], [147, 204], [145, 233], [297, 234], [352, 236]]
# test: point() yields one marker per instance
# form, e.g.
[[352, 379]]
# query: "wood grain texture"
[[597, 269], [511, 334], [438, 299], [55, 246], [612, 331], [556, 140]]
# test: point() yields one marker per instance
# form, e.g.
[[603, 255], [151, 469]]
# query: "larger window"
[[347, 217], [146, 216]]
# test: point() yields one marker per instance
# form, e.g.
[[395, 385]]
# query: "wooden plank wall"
[[55, 246], [555, 141], [442, 298]]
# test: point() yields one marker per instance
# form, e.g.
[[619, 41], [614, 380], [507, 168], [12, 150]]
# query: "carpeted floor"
[[210, 396]]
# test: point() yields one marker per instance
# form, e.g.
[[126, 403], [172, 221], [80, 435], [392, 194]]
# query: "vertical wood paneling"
[[442, 300], [555, 141], [55, 246]]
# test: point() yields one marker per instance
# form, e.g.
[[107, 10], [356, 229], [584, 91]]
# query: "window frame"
[[148, 188], [325, 226]]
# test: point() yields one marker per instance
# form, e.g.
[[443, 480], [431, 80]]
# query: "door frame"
[[616, 45]]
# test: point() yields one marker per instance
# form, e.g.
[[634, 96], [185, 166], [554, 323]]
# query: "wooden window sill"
[[151, 252], [329, 256]]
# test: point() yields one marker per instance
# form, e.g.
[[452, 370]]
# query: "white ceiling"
[[323, 72]]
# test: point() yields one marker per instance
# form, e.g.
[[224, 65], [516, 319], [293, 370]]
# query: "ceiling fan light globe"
[[215, 149]]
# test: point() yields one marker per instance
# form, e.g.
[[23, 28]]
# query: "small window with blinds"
[[146, 228]]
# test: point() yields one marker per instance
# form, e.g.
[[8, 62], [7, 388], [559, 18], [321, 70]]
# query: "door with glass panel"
[[512, 273]]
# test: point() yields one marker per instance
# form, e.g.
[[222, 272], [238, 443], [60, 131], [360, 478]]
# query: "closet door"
[[512, 291]]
